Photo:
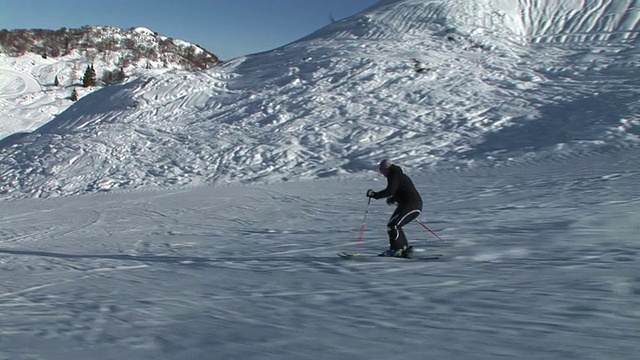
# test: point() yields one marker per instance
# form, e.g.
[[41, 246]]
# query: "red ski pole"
[[363, 226], [431, 231]]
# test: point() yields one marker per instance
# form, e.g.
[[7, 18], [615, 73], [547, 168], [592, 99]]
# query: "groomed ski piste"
[[540, 262], [198, 215]]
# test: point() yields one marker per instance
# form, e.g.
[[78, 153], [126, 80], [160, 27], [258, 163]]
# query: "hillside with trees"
[[132, 46]]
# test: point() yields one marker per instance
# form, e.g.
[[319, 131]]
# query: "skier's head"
[[384, 166]]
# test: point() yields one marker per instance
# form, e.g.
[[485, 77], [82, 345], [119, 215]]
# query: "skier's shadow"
[[179, 260]]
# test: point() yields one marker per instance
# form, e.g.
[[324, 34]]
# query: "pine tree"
[[56, 82], [89, 78], [112, 77], [74, 95], [120, 75]]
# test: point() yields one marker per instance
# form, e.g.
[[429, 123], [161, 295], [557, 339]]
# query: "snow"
[[198, 215], [328, 104], [143, 30], [29, 98], [540, 262]]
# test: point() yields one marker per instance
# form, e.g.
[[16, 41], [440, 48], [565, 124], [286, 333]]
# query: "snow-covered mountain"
[[430, 83], [110, 46], [40, 69]]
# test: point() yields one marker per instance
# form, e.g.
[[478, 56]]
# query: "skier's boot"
[[407, 252], [391, 252]]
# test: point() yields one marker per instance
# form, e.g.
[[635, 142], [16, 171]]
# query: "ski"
[[360, 256]]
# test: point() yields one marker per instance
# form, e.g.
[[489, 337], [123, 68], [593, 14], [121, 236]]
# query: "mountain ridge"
[[527, 20], [134, 45]]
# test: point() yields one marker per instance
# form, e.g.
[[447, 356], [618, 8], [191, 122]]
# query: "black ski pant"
[[400, 217]]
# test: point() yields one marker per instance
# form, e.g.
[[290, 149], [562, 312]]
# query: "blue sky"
[[228, 28]]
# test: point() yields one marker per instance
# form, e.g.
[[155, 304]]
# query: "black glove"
[[371, 193], [391, 201]]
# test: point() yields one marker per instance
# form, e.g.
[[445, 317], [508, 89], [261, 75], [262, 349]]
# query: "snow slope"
[[540, 262], [21, 115], [328, 104], [575, 21], [28, 94], [213, 203]]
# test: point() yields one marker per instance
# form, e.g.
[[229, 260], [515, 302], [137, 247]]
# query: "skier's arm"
[[392, 186]]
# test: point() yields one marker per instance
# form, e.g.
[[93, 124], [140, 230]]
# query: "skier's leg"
[[392, 230], [401, 242], [395, 227]]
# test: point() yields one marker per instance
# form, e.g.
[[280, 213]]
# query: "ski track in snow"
[[24, 106], [539, 262], [15, 83]]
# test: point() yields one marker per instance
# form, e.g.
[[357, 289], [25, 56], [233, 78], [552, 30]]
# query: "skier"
[[401, 191]]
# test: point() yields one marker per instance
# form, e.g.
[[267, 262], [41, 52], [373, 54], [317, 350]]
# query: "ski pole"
[[431, 231], [363, 226]]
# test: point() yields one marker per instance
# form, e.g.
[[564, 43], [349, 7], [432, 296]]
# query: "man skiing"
[[401, 191]]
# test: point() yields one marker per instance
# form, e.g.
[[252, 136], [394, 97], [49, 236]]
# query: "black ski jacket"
[[400, 189]]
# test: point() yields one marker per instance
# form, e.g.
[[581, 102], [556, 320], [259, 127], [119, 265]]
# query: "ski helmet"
[[384, 166]]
